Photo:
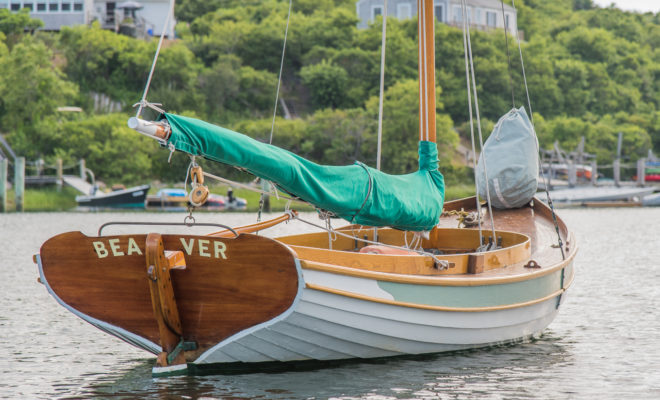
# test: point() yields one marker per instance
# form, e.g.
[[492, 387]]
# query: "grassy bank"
[[459, 191], [44, 199], [50, 199]]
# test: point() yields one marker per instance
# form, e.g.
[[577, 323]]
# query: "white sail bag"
[[511, 156]]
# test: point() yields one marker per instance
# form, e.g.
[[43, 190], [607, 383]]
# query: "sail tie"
[[368, 190]]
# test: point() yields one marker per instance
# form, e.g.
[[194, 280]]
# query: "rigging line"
[[153, 64], [382, 88], [474, 149], [250, 188], [381, 98], [262, 198], [508, 56], [279, 79], [481, 139], [538, 150]]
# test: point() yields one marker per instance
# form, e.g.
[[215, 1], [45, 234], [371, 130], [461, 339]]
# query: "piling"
[[616, 167], [641, 172], [60, 174], [265, 186], [572, 174], [594, 173], [82, 169], [19, 182], [4, 166]]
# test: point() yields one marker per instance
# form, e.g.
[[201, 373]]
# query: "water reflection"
[[505, 370]]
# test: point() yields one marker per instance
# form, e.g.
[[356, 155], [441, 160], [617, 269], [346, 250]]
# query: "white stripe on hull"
[[325, 326]]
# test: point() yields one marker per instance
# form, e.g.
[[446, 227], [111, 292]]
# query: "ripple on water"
[[603, 344]]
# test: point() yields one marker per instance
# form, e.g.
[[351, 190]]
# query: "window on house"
[[15, 6], [458, 14], [41, 7], [376, 11], [477, 16], [110, 13], [491, 18], [439, 11], [29, 6], [403, 11], [506, 21], [66, 6], [78, 6], [53, 5]]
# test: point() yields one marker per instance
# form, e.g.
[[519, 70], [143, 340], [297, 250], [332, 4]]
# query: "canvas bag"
[[511, 156]]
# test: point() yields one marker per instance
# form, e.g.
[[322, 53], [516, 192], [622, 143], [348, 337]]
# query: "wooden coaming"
[[516, 249], [534, 222], [215, 297]]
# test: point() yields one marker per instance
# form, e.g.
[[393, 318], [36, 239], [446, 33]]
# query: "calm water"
[[605, 343]]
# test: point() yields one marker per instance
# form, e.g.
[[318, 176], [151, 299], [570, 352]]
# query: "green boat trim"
[[475, 296]]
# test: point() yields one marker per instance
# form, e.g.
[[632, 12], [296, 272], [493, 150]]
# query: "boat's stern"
[[176, 296]]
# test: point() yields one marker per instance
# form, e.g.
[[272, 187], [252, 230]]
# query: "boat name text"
[[205, 248]]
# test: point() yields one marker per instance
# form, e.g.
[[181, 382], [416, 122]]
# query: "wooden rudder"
[[164, 304]]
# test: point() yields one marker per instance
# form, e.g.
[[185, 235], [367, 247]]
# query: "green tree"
[[401, 128], [13, 24], [114, 152], [31, 89], [327, 83]]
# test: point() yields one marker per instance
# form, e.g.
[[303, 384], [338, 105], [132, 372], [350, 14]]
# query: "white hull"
[[328, 326]]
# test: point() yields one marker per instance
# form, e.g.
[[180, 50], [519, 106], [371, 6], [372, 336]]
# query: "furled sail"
[[356, 193]]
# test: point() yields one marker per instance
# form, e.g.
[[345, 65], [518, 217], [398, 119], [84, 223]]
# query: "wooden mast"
[[426, 69]]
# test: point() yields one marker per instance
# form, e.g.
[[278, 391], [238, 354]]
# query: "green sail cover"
[[357, 193]]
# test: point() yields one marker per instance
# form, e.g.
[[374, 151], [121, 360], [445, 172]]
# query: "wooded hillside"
[[591, 72]]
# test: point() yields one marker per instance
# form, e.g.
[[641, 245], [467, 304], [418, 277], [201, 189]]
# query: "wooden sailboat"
[[233, 299]]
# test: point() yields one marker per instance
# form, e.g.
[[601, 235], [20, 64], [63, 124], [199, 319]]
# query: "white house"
[[482, 14], [54, 13], [151, 17], [57, 13]]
